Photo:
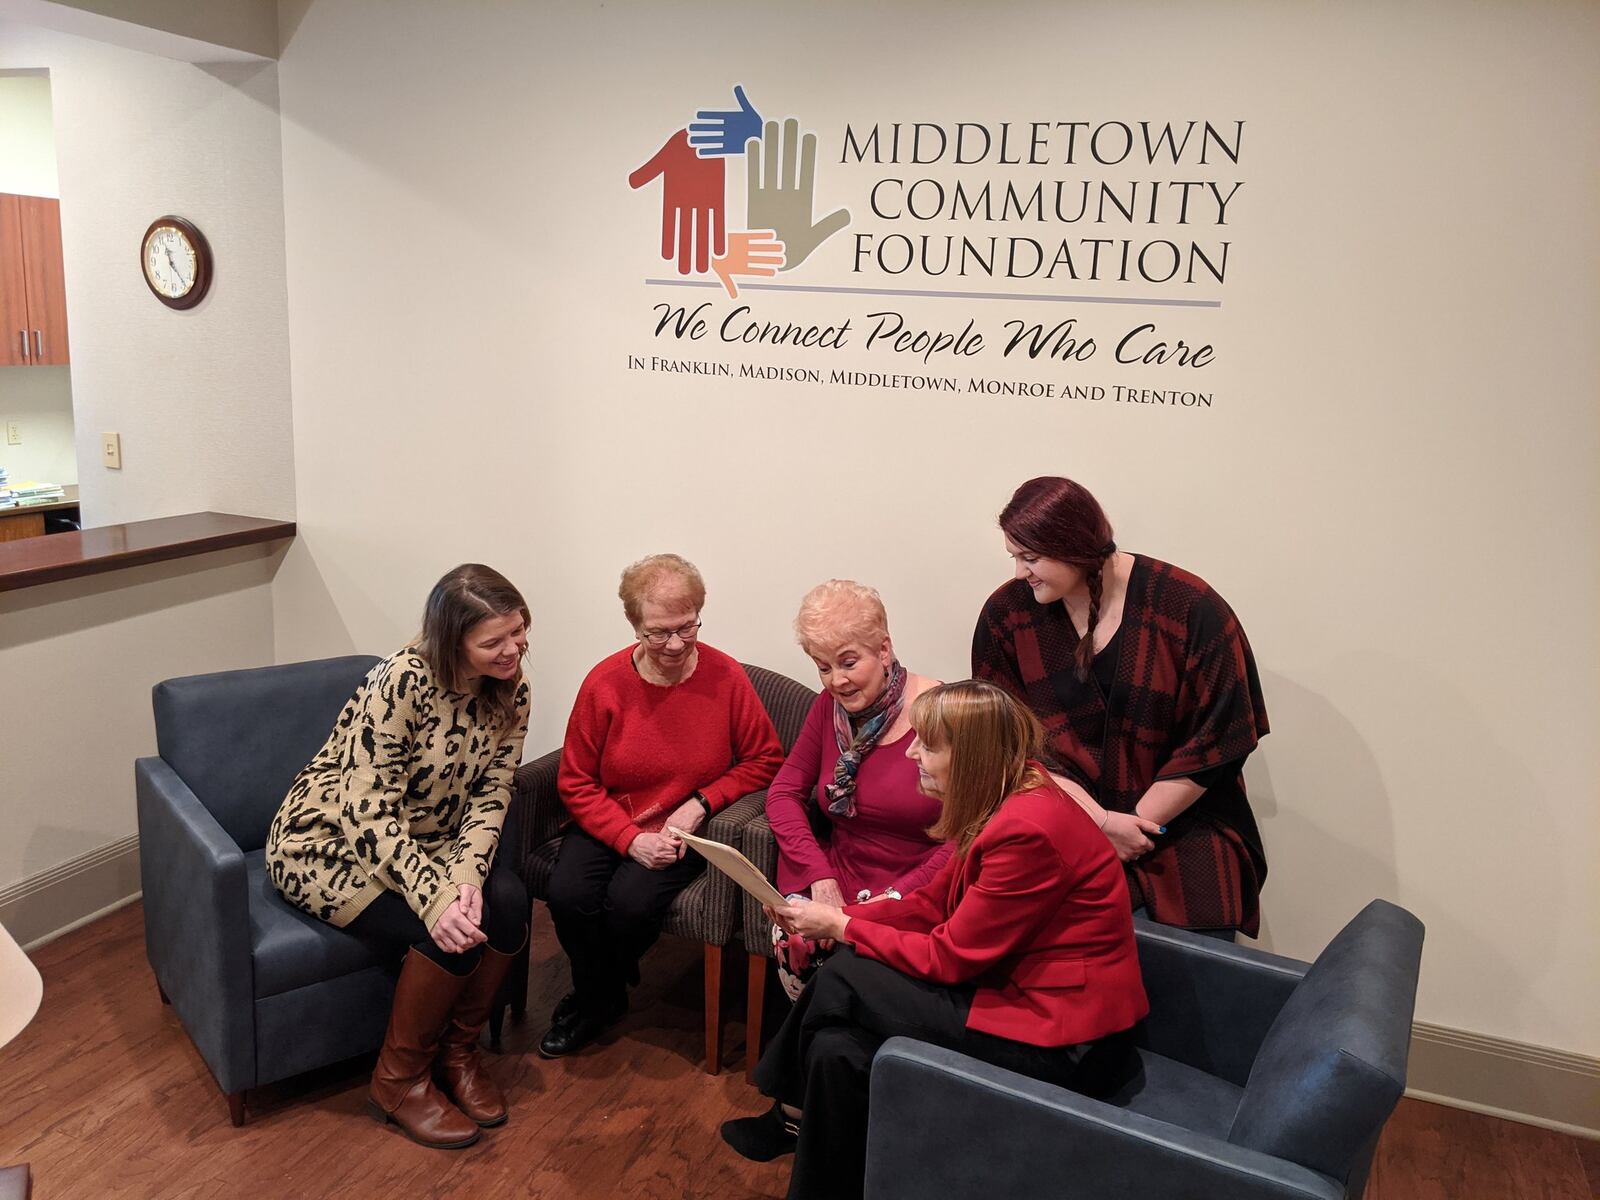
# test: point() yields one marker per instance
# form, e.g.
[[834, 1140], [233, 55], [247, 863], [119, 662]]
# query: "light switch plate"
[[13, 434], [111, 450]]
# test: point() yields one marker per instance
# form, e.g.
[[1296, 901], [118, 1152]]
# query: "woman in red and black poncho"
[[1148, 692]]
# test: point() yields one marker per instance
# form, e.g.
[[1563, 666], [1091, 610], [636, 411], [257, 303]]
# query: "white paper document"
[[734, 865]]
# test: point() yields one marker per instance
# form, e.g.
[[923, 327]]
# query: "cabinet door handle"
[[24, 334], [38, 344]]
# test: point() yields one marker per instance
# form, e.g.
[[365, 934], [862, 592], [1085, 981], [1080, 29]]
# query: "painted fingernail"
[[1163, 829]]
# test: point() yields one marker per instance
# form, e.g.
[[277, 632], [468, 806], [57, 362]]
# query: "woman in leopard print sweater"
[[391, 830]]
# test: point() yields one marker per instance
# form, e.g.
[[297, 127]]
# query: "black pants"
[[821, 1060], [388, 922], [608, 912]]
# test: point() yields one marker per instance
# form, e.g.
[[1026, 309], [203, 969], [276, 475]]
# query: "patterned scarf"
[[856, 737]]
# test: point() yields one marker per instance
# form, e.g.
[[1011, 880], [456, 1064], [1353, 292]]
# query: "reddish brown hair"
[[469, 594], [1059, 519], [992, 741]]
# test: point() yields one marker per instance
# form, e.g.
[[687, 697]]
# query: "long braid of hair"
[[1083, 656]]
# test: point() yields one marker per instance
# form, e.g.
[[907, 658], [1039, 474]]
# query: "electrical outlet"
[[111, 450], [13, 434]]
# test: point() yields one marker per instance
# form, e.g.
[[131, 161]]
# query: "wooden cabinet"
[[33, 294]]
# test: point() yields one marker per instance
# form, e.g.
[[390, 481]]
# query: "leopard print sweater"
[[408, 794]]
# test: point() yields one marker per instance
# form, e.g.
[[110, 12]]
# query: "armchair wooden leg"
[[713, 961], [236, 1108], [755, 995]]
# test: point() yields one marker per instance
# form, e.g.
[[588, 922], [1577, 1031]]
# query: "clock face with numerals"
[[176, 261]]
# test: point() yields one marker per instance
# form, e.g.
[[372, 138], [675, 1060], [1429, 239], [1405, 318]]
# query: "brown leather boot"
[[460, 1067], [402, 1088]]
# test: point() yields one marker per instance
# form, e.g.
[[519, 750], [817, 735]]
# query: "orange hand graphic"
[[756, 252]]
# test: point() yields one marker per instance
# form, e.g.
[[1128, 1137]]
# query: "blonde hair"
[[991, 738], [838, 612], [662, 578]]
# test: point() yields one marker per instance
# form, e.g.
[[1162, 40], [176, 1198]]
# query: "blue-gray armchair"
[[1258, 1077], [263, 989]]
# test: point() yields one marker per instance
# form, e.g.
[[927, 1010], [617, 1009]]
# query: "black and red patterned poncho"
[[1185, 701]]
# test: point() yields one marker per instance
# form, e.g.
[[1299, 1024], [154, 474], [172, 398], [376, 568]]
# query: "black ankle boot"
[[576, 1028], [763, 1138]]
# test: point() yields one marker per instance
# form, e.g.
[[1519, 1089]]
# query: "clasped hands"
[[657, 851], [459, 929], [820, 919]]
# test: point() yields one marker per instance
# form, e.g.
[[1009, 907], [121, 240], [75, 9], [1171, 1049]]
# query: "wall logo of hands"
[[779, 231]]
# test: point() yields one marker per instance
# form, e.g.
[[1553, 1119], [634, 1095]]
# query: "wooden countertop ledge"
[[59, 556]]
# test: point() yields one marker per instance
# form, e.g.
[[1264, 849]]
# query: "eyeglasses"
[[660, 637]]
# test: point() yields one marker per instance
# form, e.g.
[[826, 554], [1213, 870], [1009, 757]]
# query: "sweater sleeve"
[[578, 777], [1021, 880], [757, 753], [993, 656], [374, 778], [789, 799], [471, 855]]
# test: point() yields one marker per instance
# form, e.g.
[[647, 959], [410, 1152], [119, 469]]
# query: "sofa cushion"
[[292, 949], [1167, 1090], [238, 738], [1333, 1065]]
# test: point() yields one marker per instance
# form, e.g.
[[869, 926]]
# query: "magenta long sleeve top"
[[884, 844]]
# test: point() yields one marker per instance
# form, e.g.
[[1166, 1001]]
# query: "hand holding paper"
[[734, 865]]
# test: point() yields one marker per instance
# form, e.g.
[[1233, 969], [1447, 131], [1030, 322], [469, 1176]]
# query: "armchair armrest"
[[537, 807], [1211, 1003], [723, 896], [943, 1124], [197, 921], [761, 848]]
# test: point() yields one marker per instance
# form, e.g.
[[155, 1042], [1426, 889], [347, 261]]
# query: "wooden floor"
[[105, 1096]]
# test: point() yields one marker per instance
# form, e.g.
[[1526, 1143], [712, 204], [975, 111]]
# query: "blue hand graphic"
[[725, 130]]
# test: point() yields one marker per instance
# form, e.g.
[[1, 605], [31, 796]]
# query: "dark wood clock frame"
[[202, 262]]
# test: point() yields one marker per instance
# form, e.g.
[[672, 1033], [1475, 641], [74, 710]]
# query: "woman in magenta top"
[[850, 822]]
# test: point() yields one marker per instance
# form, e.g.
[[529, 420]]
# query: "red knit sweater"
[[636, 750]]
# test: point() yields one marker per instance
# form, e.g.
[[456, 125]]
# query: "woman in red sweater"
[[664, 732], [1019, 952]]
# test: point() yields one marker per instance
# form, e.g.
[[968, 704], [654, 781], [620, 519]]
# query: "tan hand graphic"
[[752, 253], [779, 195]]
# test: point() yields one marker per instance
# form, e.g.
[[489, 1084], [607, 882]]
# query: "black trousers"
[[389, 923], [821, 1060], [608, 911]]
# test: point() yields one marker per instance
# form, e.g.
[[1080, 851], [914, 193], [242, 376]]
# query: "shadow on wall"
[[1325, 817], [307, 620], [58, 610], [1329, 825]]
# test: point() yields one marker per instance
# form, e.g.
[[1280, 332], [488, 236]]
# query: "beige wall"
[[1395, 489], [201, 401]]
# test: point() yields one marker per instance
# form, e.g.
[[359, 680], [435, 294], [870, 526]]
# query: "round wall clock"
[[176, 260]]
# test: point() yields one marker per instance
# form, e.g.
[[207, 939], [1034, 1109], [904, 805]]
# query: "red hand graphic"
[[691, 203]]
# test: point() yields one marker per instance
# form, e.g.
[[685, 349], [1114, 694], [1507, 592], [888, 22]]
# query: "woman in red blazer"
[[1019, 951]]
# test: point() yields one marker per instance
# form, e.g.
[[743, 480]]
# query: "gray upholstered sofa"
[[1258, 1077], [264, 990]]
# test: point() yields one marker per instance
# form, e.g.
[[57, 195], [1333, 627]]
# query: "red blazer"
[[1036, 913]]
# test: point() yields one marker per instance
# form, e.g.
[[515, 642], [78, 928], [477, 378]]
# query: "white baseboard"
[[42, 907], [1554, 1089]]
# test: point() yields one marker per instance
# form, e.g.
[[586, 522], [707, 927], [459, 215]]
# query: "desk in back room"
[[25, 521]]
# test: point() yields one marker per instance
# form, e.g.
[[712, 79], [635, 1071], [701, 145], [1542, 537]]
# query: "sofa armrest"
[[538, 808], [943, 1124], [1211, 1002], [761, 848], [197, 921]]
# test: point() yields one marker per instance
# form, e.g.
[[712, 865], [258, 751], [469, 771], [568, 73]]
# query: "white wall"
[[1396, 488], [201, 401], [199, 397], [27, 143], [38, 400]]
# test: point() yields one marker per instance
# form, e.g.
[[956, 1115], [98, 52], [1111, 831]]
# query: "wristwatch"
[[701, 797]]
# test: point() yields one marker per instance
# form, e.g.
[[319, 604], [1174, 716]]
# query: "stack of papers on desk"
[[7, 499], [31, 491]]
